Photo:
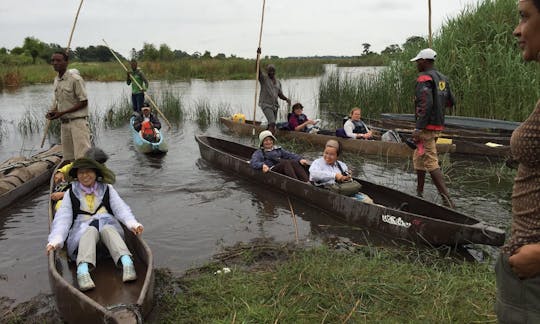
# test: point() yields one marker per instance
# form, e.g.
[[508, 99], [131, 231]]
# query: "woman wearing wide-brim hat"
[[91, 212]]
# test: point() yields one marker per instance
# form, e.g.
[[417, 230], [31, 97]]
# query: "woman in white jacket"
[[90, 212]]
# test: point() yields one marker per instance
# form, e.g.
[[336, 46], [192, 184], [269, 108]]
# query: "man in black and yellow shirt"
[[432, 96]]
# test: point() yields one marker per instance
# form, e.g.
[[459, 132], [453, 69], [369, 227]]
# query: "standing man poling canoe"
[[137, 93], [70, 105], [432, 96], [270, 92]]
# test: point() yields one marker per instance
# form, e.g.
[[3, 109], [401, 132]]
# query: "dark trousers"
[[291, 169], [518, 300], [137, 100]]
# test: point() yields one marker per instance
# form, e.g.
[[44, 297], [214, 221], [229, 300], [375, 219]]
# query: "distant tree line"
[[35, 51]]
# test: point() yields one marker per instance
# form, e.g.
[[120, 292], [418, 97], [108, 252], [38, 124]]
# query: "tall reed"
[[476, 50]]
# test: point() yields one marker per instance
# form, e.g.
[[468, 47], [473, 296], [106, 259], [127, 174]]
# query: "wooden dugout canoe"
[[467, 142], [145, 146], [19, 176], [112, 301], [348, 145], [395, 214], [462, 122]]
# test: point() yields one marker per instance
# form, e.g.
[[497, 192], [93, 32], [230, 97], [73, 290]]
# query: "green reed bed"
[[476, 50], [170, 105], [183, 69], [320, 285]]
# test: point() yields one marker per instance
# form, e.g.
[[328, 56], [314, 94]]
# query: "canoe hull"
[[349, 145], [112, 301], [48, 161], [145, 146], [424, 222]]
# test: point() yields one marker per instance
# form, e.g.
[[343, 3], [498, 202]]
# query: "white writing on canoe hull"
[[395, 221]]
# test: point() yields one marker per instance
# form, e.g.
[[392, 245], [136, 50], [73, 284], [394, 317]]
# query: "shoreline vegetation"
[[344, 282], [211, 69]]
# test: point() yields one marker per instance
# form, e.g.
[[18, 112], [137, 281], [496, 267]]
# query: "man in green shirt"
[[137, 88]]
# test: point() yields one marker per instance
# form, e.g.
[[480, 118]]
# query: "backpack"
[[340, 132], [391, 136]]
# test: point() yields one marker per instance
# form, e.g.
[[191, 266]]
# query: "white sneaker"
[[129, 273], [85, 282]]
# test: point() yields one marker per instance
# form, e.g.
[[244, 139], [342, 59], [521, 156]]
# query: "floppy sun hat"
[[265, 134], [106, 175]]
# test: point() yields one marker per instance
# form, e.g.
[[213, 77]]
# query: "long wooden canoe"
[[145, 146], [112, 301], [394, 213], [19, 175], [349, 145], [467, 142], [472, 123]]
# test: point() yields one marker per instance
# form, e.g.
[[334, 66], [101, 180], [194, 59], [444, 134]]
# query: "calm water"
[[189, 209]]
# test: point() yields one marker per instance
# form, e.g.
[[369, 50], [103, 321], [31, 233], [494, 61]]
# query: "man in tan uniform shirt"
[[70, 105]]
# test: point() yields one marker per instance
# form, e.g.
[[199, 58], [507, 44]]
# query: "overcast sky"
[[291, 27]]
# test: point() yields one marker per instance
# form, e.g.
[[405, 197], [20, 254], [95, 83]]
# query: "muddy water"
[[189, 209]]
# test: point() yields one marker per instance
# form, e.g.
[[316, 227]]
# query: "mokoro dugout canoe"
[[145, 146], [462, 122], [111, 301], [19, 175], [395, 214], [467, 143], [349, 145]]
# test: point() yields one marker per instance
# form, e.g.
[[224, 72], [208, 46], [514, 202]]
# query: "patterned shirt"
[[525, 146]]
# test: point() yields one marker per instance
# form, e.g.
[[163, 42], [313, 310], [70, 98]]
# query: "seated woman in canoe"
[[329, 173], [273, 157], [147, 124], [298, 121], [93, 212], [355, 127]]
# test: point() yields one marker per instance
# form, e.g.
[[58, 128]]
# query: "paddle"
[[48, 124], [294, 219], [139, 85], [257, 70]]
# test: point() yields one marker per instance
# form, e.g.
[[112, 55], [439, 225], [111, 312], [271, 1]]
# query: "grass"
[[478, 53], [182, 69], [270, 284]]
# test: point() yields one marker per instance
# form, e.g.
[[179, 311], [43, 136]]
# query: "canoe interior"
[[112, 299], [381, 195]]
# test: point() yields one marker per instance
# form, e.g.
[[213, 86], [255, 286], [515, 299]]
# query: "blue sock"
[[82, 268], [126, 260]]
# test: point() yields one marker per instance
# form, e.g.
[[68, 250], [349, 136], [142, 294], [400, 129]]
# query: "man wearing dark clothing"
[[270, 92], [432, 96], [137, 88]]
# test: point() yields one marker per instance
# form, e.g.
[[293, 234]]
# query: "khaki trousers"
[[75, 136], [429, 160], [109, 236]]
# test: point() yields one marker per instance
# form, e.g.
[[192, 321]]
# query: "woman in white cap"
[[273, 157], [90, 214], [518, 266]]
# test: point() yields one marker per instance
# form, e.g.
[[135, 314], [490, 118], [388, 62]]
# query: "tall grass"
[[183, 69], [476, 50]]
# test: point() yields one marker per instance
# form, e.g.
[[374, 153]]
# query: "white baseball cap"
[[425, 54]]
